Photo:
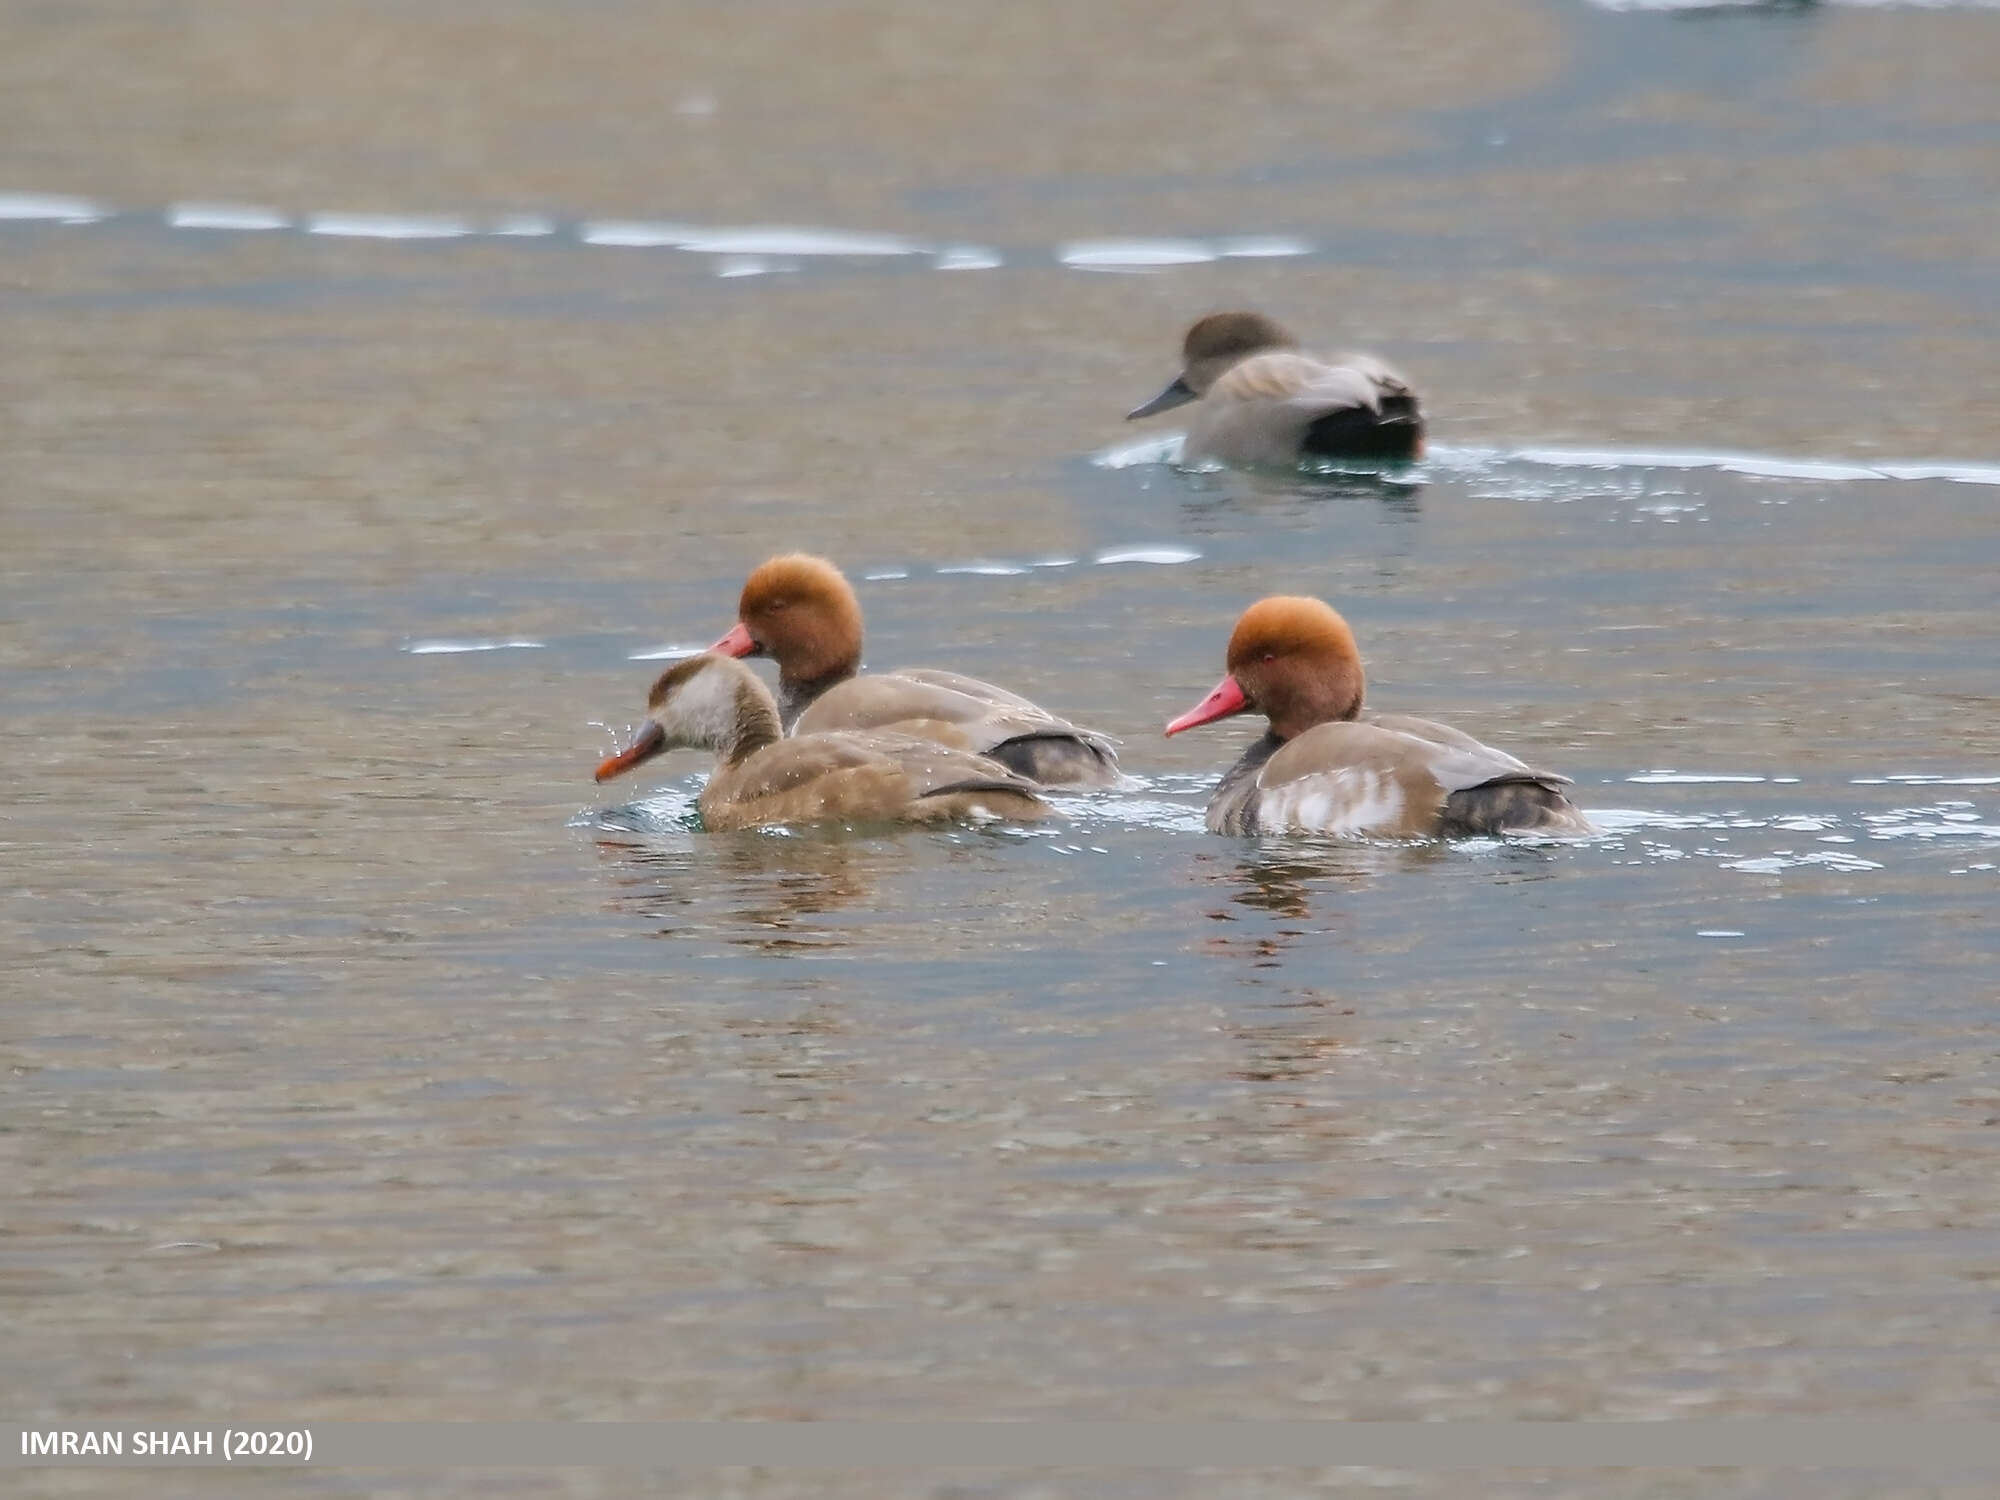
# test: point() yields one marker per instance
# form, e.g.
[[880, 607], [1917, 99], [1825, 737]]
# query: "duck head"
[[1291, 659], [707, 702], [1215, 343], [800, 611]]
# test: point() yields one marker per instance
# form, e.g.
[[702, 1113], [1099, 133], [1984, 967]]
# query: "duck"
[[764, 780], [800, 610], [1326, 765], [1264, 403]]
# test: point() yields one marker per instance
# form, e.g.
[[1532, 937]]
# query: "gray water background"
[[364, 1061]]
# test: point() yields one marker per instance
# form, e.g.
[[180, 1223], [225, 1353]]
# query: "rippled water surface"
[[388, 393]]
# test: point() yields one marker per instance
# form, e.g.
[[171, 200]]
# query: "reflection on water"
[[771, 887]]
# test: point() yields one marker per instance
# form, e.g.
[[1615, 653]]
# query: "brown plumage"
[[1328, 766], [801, 611], [764, 780], [1263, 402]]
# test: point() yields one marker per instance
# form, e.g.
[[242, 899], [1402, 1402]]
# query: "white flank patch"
[[1352, 802]]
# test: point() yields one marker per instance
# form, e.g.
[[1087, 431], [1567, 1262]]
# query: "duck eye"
[[1270, 656]]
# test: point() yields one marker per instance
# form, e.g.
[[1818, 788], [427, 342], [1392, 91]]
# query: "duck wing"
[[1272, 408], [856, 777], [1395, 777], [967, 714]]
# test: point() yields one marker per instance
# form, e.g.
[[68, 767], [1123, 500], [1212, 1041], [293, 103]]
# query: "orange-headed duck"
[[800, 610], [1263, 402], [1326, 766], [763, 780]]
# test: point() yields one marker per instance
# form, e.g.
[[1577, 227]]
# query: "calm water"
[[366, 1061]]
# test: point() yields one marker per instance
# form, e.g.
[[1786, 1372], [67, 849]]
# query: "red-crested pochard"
[[800, 611], [763, 780], [1326, 766], [1263, 402]]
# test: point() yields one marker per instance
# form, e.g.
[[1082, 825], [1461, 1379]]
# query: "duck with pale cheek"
[[763, 780], [801, 611], [1329, 766], [1264, 403]]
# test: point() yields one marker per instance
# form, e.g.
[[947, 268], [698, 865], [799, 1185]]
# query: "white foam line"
[[449, 648], [1133, 255], [1827, 859], [389, 226], [230, 216], [1924, 780], [1755, 464], [1674, 5], [1146, 451], [636, 234], [1166, 449], [1261, 247], [56, 206], [778, 239], [1136, 254], [887, 575], [672, 651], [1163, 556], [523, 226], [1957, 473], [1688, 778], [986, 569], [967, 258]]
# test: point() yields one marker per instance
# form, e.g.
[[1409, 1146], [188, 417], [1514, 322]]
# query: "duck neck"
[[797, 694], [1297, 721], [756, 725], [1296, 697]]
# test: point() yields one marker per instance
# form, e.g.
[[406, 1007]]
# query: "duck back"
[[1519, 804], [1394, 432]]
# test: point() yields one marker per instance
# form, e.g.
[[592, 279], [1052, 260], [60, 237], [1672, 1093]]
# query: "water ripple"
[[1471, 463]]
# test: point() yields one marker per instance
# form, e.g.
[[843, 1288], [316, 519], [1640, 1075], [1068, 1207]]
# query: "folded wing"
[[1397, 777], [967, 714], [1275, 407], [855, 777]]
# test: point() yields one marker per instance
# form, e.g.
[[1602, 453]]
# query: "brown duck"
[[1327, 766], [763, 780], [1264, 403], [800, 610]]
